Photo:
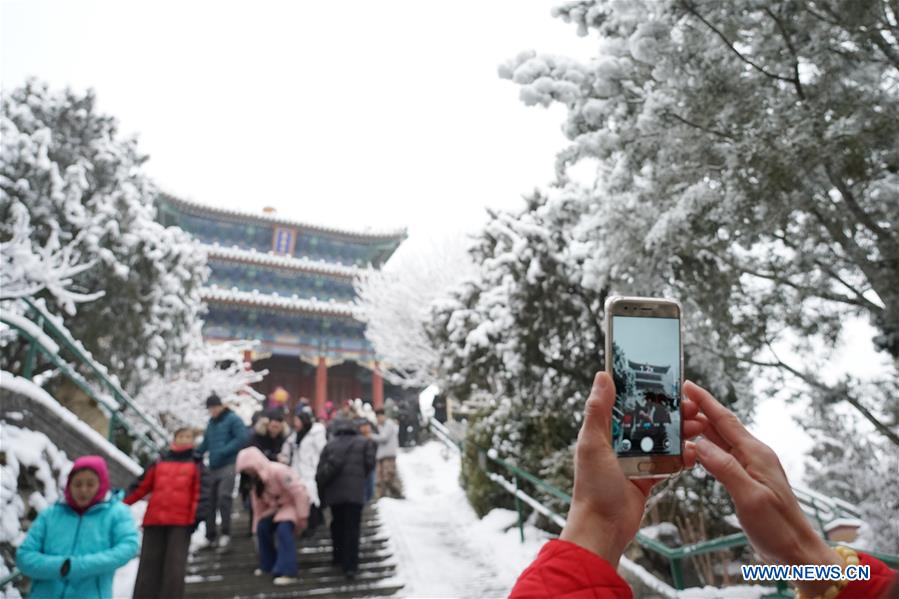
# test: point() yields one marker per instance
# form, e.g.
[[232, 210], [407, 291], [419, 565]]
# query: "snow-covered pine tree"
[[26, 270], [850, 462], [81, 184], [520, 344], [747, 152], [522, 341]]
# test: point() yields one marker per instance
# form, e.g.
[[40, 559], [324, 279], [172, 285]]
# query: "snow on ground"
[[442, 548]]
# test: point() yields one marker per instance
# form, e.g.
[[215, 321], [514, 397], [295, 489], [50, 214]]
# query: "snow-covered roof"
[[281, 261], [271, 217], [270, 300]]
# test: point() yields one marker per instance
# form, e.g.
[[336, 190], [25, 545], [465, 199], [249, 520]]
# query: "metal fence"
[[819, 508], [48, 339]]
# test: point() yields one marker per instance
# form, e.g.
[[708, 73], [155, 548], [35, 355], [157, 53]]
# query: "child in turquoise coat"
[[75, 546]]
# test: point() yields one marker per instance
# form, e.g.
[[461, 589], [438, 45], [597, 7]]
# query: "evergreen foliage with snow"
[[519, 346], [746, 163], [80, 186], [520, 343], [748, 153]]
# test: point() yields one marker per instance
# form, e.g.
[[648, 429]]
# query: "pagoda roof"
[[273, 218], [253, 256], [270, 300]]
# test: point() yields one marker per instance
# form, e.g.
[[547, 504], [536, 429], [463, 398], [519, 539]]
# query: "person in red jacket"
[[174, 484], [607, 507]]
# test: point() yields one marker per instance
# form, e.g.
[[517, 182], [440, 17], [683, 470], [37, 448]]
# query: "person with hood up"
[[345, 463], [269, 433], [280, 510], [74, 547], [174, 484], [301, 452], [225, 435]]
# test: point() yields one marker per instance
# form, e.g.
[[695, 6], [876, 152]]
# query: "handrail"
[[837, 508], [13, 576], [46, 336]]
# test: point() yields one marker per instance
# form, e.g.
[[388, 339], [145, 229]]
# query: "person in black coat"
[[345, 463]]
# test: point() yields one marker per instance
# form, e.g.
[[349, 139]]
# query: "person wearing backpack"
[[345, 463]]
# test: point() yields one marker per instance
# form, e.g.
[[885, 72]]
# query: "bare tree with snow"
[[179, 399], [395, 304]]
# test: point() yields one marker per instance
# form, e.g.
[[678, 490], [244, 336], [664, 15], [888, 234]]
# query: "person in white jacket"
[[301, 451]]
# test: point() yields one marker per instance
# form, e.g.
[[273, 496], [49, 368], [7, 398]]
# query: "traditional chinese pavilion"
[[289, 285]]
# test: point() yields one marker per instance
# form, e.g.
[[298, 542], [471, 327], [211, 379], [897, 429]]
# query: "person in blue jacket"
[[226, 434], [74, 547]]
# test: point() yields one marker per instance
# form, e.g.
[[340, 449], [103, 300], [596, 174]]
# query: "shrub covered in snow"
[[32, 472], [88, 201]]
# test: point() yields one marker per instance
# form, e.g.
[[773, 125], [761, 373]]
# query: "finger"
[[712, 435], [646, 484], [689, 408], [689, 455], [695, 427], [725, 468], [598, 410], [725, 423]]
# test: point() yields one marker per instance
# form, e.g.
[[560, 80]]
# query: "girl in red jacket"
[[174, 486]]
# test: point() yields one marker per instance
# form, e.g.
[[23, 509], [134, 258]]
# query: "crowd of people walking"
[[297, 472]]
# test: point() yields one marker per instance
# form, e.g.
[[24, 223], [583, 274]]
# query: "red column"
[[377, 388], [321, 386]]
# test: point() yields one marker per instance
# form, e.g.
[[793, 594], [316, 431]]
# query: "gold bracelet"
[[850, 558]]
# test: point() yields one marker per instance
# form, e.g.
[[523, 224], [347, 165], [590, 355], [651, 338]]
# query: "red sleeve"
[[563, 569], [144, 487], [876, 586], [195, 493]]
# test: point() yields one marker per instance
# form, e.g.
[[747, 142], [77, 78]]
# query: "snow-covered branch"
[[396, 303], [179, 400], [26, 270]]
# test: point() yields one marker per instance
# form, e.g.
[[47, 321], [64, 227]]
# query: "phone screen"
[[646, 368]]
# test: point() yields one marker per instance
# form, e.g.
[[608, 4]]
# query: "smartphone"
[[645, 356]]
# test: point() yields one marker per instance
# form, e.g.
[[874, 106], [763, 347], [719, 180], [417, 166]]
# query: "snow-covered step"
[[230, 574]]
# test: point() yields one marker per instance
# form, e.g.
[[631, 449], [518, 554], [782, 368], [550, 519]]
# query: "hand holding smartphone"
[[644, 355]]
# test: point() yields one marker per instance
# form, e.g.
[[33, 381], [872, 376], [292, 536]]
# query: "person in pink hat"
[[74, 547]]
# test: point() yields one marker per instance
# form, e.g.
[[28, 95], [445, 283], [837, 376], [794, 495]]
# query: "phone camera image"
[[646, 370]]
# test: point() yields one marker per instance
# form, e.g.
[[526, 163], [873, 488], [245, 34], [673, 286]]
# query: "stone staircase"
[[230, 574]]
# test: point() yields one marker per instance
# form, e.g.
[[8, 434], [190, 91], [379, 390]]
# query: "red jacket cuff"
[[563, 569], [876, 586]]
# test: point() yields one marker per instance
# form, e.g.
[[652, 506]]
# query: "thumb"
[[598, 410], [725, 468]]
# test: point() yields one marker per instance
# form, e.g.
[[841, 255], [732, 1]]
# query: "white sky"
[[379, 114]]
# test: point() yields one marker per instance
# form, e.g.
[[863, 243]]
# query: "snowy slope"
[[442, 547]]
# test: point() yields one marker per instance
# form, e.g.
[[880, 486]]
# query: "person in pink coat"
[[280, 511]]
